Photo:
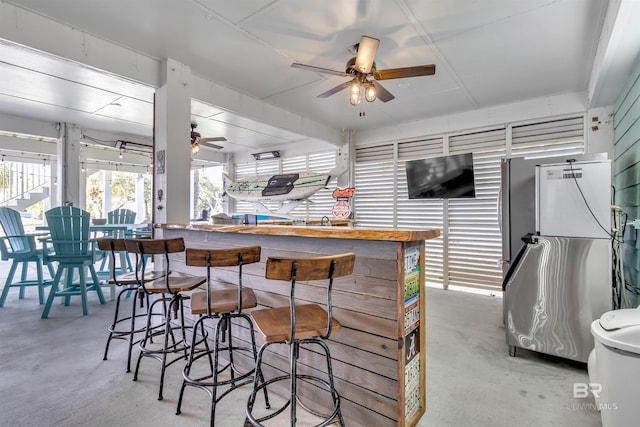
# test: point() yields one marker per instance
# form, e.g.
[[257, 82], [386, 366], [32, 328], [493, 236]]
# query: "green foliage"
[[123, 193], [123, 189], [94, 195], [209, 195], [37, 210]]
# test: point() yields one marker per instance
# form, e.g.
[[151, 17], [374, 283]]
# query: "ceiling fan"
[[197, 140], [362, 66]]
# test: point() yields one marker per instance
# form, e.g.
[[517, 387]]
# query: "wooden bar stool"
[[224, 305], [299, 325], [169, 297], [129, 284]]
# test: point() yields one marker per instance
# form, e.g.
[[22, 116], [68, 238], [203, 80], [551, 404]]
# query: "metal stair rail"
[[23, 184]]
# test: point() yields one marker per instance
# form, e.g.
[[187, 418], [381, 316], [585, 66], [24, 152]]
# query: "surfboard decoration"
[[283, 187], [291, 188]]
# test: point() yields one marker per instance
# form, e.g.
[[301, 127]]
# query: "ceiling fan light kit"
[[197, 140], [195, 148], [362, 66]]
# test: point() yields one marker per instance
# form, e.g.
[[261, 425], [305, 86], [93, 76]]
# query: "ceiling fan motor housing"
[[350, 67]]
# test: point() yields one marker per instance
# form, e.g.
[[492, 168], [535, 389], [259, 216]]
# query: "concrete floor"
[[52, 373]]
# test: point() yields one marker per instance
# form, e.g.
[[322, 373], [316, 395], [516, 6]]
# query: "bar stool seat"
[[299, 326], [311, 321], [223, 300], [169, 293], [129, 284], [224, 305]]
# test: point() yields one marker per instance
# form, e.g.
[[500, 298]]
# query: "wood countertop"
[[326, 232]]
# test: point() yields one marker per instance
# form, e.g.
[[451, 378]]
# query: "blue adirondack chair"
[[72, 250], [21, 249], [117, 216]]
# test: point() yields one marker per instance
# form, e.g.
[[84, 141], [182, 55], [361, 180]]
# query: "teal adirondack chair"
[[21, 249], [121, 216], [117, 216], [73, 249]]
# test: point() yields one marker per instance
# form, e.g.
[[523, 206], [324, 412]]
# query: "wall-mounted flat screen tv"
[[447, 177]]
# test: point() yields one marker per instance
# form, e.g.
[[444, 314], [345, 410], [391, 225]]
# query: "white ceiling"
[[487, 53]]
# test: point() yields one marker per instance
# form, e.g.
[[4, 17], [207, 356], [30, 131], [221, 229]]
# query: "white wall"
[[524, 111]]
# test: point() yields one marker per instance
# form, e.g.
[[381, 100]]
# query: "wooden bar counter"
[[379, 355]]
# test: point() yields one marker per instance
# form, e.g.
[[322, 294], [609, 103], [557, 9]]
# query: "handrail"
[[18, 179]]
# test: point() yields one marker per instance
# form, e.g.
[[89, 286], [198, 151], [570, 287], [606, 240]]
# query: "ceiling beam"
[[617, 50], [28, 126], [230, 100], [30, 29], [39, 32]]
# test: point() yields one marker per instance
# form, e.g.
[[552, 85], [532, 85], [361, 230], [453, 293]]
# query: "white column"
[[140, 198], [172, 148], [52, 200], [68, 167], [82, 182], [106, 193]]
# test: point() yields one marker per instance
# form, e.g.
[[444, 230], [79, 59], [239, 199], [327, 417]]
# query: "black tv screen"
[[447, 177]]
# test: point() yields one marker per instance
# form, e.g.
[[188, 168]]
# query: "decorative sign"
[[411, 274], [343, 193], [342, 207], [411, 331], [160, 154]]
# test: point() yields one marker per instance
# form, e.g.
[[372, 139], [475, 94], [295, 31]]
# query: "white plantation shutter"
[[475, 240], [374, 197], [242, 171], [421, 213], [549, 138]]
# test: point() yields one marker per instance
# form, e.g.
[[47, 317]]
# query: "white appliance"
[[573, 199]]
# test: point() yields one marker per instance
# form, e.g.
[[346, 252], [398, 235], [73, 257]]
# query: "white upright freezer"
[[573, 199]]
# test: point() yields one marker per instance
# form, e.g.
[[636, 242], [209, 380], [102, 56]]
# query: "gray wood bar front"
[[379, 355]]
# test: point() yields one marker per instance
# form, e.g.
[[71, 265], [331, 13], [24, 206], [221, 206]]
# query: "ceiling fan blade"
[[336, 89], [319, 69], [209, 145], [212, 139], [401, 73], [366, 54], [382, 94]]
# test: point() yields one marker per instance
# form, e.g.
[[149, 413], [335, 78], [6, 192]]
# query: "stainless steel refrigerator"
[[557, 249]]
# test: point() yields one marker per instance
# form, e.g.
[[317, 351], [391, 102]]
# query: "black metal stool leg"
[[133, 331], [112, 327], [187, 369]]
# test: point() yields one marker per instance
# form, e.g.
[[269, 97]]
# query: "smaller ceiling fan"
[[362, 66], [197, 140]]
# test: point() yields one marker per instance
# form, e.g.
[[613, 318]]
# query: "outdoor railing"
[[18, 179]]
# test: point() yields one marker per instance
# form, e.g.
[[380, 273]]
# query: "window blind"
[[475, 240]]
